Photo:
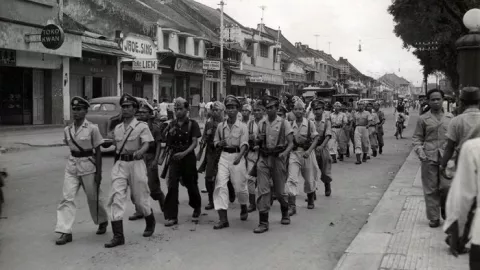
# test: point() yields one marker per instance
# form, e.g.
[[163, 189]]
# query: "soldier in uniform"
[[82, 170], [246, 111], [362, 120], [380, 132], [372, 129], [302, 161], [132, 140], [282, 111], [349, 129], [180, 162], [338, 144], [252, 156], [232, 137], [212, 154], [276, 142], [324, 160]]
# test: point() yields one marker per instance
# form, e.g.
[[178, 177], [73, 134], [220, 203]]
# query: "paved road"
[[315, 240]]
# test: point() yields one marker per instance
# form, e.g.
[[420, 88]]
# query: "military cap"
[[269, 101], [337, 103], [317, 103], [128, 99], [180, 102], [79, 102], [247, 107], [288, 95], [232, 100], [470, 93], [259, 104], [218, 105], [146, 106]]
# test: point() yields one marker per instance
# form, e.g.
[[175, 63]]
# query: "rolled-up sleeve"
[[288, 128], [418, 139], [243, 135], [145, 134], [328, 128]]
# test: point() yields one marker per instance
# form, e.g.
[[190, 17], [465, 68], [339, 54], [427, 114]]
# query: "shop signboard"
[[52, 36], [211, 65], [185, 65], [145, 64], [8, 57], [238, 80], [141, 47], [256, 79]]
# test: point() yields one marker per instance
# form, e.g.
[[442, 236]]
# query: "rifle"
[[253, 171], [167, 156]]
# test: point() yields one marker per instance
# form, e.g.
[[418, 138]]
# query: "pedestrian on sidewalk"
[[429, 141], [380, 132], [338, 144], [324, 160], [132, 139], [202, 111], [82, 170], [362, 119]]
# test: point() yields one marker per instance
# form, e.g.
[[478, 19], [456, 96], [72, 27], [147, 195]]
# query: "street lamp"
[[468, 47]]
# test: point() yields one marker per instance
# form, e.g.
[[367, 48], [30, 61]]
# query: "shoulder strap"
[[223, 129], [126, 138], [309, 134], [282, 133]]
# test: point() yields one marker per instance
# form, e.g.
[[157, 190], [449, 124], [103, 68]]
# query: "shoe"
[[135, 216], [223, 220], [209, 206], [292, 208], [314, 196], [102, 228], [118, 238], [171, 222], [231, 192], [364, 159], [253, 206], [311, 201], [196, 214], [368, 157], [340, 157], [328, 189], [285, 216], [358, 160], [243, 212], [434, 223], [63, 239], [263, 225], [374, 154], [380, 150], [150, 225]]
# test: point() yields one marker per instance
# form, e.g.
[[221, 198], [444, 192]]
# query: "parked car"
[[106, 112], [368, 100]]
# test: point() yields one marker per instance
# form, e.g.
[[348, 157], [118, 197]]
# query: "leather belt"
[[126, 157], [231, 150], [79, 154], [340, 126]]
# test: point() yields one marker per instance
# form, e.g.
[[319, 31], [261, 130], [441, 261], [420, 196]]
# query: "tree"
[[439, 21]]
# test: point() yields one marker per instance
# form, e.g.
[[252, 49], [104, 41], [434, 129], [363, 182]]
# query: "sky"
[[343, 23]]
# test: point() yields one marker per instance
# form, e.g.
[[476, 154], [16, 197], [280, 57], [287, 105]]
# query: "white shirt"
[[163, 108], [209, 105]]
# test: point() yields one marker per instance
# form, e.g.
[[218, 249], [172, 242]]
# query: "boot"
[[253, 206], [243, 212], [150, 225], [358, 160], [263, 225], [231, 192], [334, 158], [161, 201], [118, 238], [340, 157], [348, 152], [196, 214], [311, 201], [292, 208], [64, 238], [374, 154], [314, 196], [102, 228], [285, 216], [328, 189], [210, 187], [380, 150], [223, 220], [364, 159], [135, 216]]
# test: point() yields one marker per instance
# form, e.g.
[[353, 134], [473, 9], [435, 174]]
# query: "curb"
[[368, 248]]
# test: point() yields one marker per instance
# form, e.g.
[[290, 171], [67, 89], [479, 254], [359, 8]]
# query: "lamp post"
[[468, 47]]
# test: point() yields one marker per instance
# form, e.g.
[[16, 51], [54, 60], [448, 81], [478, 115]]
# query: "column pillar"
[[66, 88]]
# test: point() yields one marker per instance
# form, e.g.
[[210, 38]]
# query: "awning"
[[105, 50], [240, 72], [235, 47]]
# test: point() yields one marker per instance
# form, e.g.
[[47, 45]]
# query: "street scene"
[[239, 134]]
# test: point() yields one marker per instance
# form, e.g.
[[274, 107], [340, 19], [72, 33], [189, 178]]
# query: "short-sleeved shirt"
[[381, 116], [338, 119], [179, 136], [375, 118], [300, 133], [324, 129], [272, 132], [140, 134], [459, 129], [235, 136], [363, 118]]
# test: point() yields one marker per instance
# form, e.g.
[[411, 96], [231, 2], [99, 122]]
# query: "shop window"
[[264, 50], [182, 44], [196, 47], [166, 41]]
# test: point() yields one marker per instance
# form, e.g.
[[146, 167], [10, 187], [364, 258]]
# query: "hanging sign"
[[52, 36], [141, 47], [211, 65], [145, 64]]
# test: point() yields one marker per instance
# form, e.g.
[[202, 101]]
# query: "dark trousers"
[[185, 170], [153, 179], [474, 257]]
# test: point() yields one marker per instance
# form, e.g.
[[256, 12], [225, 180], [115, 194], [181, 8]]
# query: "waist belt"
[[78, 154], [126, 157], [231, 150], [338, 126], [272, 152]]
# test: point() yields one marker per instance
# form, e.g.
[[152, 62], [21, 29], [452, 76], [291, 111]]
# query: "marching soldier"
[[338, 143], [180, 163], [252, 156], [232, 137], [282, 111], [349, 129], [324, 160], [302, 161], [132, 139], [82, 170], [246, 111], [372, 129], [380, 132], [362, 119], [276, 143]]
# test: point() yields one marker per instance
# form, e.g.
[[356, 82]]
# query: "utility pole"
[[329, 43], [222, 94], [263, 12], [316, 41]]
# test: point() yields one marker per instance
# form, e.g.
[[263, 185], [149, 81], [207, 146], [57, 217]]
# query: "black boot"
[[380, 150], [364, 159], [328, 189], [210, 187], [223, 220], [243, 212], [285, 216], [253, 205], [263, 225], [334, 158], [340, 157], [102, 228], [118, 238], [292, 208], [374, 154], [314, 197], [311, 201], [231, 192], [150, 225], [63, 239], [358, 159]]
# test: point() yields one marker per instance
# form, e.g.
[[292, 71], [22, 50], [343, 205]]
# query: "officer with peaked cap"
[[82, 170], [232, 137], [132, 139], [276, 142]]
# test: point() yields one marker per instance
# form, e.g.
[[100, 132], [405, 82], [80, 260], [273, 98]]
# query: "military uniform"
[[338, 144], [362, 120], [80, 172], [372, 133], [350, 132], [324, 160], [380, 132], [251, 159]]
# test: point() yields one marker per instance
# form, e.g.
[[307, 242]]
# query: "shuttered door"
[[88, 86], [108, 87], [38, 97]]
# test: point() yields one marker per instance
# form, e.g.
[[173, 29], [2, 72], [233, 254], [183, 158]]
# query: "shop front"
[[259, 84], [189, 82], [238, 83]]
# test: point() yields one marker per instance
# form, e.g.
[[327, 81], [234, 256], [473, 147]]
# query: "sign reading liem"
[[145, 64], [52, 36]]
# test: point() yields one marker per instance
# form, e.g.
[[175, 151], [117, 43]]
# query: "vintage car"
[[106, 112], [345, 98]]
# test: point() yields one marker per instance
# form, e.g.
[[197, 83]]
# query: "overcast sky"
[[341, 22]]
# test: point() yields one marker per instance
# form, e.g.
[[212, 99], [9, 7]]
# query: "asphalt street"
[[316, 239]]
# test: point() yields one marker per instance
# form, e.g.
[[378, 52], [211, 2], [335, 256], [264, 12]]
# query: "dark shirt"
[[156, 130], [209, 133], [178, 137], [401, 108]]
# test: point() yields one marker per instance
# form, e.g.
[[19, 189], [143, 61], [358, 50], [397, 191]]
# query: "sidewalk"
[[397, 235]]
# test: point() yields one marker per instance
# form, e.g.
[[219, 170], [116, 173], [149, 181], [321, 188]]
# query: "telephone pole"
[[222, 94], [316, 41], [263, 12]]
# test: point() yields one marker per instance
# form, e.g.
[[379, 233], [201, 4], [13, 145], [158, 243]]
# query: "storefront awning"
[[240, 72], [105, 50]]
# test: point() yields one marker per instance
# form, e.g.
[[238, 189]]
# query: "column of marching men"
[[254, 160]]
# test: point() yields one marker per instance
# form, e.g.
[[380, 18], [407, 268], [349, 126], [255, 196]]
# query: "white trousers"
[[66, 209], [133, 174], [237, 174]]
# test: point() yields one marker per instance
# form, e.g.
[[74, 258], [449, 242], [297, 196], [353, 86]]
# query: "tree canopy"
[[440, 21]]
